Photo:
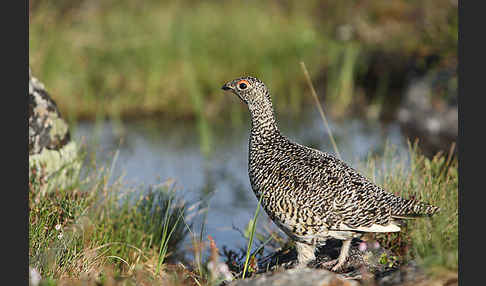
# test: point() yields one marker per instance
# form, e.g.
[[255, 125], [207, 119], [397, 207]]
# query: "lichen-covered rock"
[[47, 130], [53, 156]]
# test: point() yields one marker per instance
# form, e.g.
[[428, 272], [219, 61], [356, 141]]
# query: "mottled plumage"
[[312, 195]]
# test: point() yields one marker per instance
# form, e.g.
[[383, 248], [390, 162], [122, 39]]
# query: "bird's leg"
[[343, 255], [305, 253]]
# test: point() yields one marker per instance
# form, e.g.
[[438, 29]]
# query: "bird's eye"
[[243, 84]]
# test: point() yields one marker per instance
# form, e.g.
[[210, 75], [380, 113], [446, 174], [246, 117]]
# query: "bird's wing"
[[356, 202]]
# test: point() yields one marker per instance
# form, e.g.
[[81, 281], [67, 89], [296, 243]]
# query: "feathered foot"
[[305, 253], [339, 262]]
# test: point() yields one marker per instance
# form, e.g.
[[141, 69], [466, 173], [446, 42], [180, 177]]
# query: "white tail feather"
[[373, 228]]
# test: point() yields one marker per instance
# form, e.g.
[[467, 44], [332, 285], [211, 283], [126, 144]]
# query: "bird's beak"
[[225, 87]]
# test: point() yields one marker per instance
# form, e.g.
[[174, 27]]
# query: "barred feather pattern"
[[308, 193]]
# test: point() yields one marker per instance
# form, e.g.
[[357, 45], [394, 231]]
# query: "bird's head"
[[249, 89]]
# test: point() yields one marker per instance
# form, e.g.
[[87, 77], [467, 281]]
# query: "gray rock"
[[47, 129], [407, 274], [297, 276], [53, 156]]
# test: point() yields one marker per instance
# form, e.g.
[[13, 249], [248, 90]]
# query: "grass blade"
[[321, 111], [252, 234]]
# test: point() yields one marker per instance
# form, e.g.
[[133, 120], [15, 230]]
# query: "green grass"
[[432, 242], [91, 229], [251, 235], [169, 58]]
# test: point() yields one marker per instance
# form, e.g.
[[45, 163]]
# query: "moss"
[[58, 167]]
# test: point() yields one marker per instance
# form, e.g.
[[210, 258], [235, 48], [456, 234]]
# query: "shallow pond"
[[151, 152]]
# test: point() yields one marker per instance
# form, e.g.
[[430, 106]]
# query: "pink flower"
[[363, 246]]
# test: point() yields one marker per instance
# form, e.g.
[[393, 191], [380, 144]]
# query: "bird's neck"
[[263, 123]]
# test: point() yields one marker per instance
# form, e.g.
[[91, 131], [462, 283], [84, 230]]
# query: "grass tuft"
[[431, 241], [76, 231]]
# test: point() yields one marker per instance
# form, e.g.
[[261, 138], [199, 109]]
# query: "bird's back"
[[310, 188]]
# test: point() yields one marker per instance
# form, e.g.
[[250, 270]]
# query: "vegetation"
[[125, 59], [433, 241], [169, 58], [92, 231]]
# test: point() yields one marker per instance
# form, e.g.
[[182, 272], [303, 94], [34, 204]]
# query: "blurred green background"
[[127, 59]]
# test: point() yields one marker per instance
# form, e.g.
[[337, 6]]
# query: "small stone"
[[34, 277], [297, 276]]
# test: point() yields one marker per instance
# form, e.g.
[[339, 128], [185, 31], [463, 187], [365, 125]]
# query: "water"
[[151, 152]]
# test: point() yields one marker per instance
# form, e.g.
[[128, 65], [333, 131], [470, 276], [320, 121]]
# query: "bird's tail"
[[411, 208]]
